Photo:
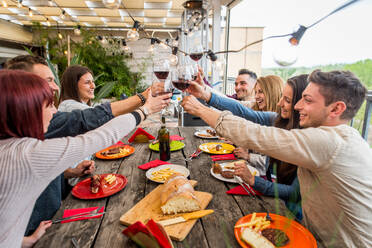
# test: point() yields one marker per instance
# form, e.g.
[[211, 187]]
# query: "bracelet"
[[142, 98], [143, 112]]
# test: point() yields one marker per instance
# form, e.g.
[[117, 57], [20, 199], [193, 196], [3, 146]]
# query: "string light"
[[60, 36], [133, 34], [111, 4], [63, 15], [4, 4], [65, 52], [173, 58], [77, 30], [19, 4], [48, 22], [30, 12], [125, 47], [50, 2]]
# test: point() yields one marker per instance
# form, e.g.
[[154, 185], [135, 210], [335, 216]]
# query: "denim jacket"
[[289, 193], [65, 124]]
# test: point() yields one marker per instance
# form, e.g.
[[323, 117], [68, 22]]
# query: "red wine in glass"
[[196, 56], [181, 84], [161, 75]]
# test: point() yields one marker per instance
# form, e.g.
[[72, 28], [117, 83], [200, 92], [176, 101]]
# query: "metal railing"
[[367, 115]]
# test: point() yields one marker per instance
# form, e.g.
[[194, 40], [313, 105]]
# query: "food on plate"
[[95, 184], [231, 166], [211, 132], [275, 236], [227, 174], [255, 240], [257, 224], [141, 138], [216, 167], [218, 147], [162, 175], [178, 196], [116, 151], [109, 179], [111, 151]]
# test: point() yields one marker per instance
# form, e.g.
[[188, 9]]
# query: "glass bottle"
[[164, 141]]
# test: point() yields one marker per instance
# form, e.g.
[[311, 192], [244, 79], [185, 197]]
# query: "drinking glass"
[[196, 52]]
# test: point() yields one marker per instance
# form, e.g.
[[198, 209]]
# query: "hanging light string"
[[295, 36]]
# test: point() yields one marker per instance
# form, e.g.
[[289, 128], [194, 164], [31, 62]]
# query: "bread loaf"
[[178, 196]]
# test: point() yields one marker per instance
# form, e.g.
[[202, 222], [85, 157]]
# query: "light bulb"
[[151, 49], [77, 31], [104, 41], [132, 35], [48, 22], [285, 54], [173, 60], [4, 4], [50, 2], [30, 12], [19, 4], [126, 49], [65, 52], [111, 4], [62, 15], [60, 35]]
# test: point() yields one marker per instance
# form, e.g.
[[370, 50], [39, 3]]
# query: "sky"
[[344, 37]]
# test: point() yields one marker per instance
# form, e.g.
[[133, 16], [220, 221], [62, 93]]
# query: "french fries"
[[109, 179], [162, 175], [256, 223]]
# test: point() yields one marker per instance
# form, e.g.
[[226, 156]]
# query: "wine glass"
[[196, 52], [161, 71], [181, 77]]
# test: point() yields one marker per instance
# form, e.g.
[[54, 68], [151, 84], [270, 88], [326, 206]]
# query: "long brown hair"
[[272, 87], [286, 172], [69, 82]]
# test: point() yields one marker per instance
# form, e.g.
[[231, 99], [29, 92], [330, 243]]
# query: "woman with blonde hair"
[[268, 91]]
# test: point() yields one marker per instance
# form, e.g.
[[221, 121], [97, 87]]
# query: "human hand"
[[157, 88], [83, 168], [146, 92], [241, 170], [155, 104], [240, 152], [192, 105], [29, 241]]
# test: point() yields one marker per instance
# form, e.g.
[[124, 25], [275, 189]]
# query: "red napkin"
[[152, 164], [223, 157], [140, 131], [119, 143], [176, 137], [69, 212], [238, 190]]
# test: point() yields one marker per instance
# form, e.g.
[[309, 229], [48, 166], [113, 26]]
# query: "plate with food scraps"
[[282, 229], [175, 145], [217, 148], [225, 171], [108, 184], [161, 173], [206, 134], [115, 152]]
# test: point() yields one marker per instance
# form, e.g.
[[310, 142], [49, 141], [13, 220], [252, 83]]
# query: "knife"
[[186, 217]]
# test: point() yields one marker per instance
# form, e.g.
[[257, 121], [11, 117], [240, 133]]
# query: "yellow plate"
[[211, 148]]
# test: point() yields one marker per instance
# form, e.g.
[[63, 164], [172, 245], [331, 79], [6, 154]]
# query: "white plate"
[[232, 180], [177, 168], [204, 135]]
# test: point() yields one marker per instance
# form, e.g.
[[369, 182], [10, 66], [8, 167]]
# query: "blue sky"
[[344, 37]]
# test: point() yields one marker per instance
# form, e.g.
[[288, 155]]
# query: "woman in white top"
[[28, 162], [77, 88]]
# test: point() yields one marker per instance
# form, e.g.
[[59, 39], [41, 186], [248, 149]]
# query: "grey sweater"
[[27, 165]]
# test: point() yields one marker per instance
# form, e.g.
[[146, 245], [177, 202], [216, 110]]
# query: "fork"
[[246, 187], [194, 155]]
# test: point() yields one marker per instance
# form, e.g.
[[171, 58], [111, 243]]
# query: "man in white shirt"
[[335, 163]]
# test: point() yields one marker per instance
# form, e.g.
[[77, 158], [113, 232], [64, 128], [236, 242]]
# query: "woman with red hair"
[[28, 162]]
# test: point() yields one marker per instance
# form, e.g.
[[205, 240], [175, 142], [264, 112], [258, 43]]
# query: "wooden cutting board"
[[149, 208]]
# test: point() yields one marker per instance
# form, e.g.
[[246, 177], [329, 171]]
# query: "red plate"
[[130, 148], [82, 189], [298, 235]]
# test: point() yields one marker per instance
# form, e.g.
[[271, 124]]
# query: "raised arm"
[[297, 146]]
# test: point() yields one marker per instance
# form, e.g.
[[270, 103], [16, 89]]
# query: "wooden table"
[[215, 230]]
